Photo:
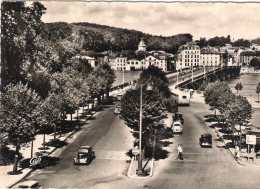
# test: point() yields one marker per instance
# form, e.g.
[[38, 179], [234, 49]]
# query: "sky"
[[240, 20]]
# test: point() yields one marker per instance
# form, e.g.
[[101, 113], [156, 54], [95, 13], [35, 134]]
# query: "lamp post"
[[192, 72], [140, 167], [177, 79], [204, 72]]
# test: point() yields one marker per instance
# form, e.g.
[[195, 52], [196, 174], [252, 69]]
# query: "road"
[[201, 168], [110, 138]]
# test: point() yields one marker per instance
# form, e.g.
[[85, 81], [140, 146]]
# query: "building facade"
[[91, 60], [133, 64], [247, 56], [188, 56], [210, 59]]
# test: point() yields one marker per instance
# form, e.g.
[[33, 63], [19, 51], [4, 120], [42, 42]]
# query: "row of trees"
[[155, 103], [41, 82], [235, 108], [222, 41]]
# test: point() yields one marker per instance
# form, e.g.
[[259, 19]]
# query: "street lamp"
[[192, 72], [140, 167]]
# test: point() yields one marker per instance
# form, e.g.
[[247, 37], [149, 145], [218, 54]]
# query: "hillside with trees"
[[94, 37]]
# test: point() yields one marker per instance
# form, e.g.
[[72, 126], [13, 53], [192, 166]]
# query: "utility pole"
[[140, 168]]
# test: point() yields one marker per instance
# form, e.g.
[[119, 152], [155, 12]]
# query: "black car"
[[178, 117], [85, 155], [205, 140]]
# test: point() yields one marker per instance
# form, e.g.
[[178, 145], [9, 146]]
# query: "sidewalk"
[[197, 97], [7, 180]]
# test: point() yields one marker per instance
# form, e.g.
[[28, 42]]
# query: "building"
[[188, 56], [91, 60], [255, 47], [133, 64], [142, 46], [120, 63], [247, 56], [160, 62], [210, 59]]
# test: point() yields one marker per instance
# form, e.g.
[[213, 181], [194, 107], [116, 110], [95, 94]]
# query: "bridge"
[[195, 81]]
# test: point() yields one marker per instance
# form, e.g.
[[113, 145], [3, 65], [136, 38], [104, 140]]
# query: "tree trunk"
[[55, 131], [107, 93], [44, 141], [32, 149], [16, 159]]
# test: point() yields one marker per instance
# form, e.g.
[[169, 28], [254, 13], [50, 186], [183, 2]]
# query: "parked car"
[[117, 109], [85, 155], [178, 117], [39, 160], [205, 140], [177, 127], [27, 184]]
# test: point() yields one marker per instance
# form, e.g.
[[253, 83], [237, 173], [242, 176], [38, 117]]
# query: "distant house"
[[133, 64], [120, 63], [247, 56], [160, 62], [91, 60]]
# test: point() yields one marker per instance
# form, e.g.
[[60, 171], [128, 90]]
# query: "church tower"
[[142, 46]]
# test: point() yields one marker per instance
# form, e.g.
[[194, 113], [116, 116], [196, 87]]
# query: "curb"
[[31, 170], [137, 177]]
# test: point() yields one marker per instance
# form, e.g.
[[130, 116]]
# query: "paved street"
[[110, 139], [201, 168]]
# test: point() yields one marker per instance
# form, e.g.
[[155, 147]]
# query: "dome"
[[142, 43]]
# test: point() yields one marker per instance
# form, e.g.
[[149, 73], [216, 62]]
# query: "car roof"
[[83, 150], [206, 135], [84, 147]]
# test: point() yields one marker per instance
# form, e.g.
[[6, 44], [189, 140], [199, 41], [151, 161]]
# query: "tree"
[[255, 63], [106, 77], [239, 86], [20, 118], [153, 113], [238, 111], [51, 113], [21, 37], [157, 79], [258, 90], [216, 95]]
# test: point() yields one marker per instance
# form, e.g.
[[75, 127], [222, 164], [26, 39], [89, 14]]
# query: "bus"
[[182, 97]]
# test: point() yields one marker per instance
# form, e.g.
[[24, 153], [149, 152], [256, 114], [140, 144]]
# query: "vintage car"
[[27, 184], [117, 109], [178, 117], [205, 140], [84, 156], [177, 127]]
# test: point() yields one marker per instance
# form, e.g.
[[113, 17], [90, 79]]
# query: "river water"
[[249, 82], [128, 76]]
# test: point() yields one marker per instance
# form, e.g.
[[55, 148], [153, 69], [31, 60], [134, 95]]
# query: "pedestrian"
[[237, 154], [180, 151]]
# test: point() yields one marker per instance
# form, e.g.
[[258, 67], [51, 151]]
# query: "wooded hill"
[[94, 37]]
